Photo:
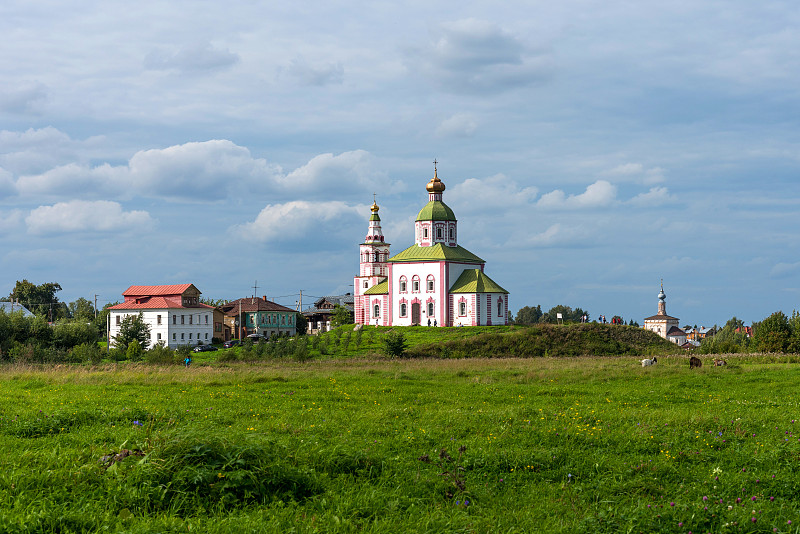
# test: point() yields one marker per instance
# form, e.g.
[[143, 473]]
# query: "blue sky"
[[589, 149]]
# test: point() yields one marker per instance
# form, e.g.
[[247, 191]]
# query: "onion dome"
[[435, 185]]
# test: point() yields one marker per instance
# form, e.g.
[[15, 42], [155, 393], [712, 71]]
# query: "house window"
[[438, 233], [158, 319], [499, 307], [174, 319], [462, 308], [415, 284], [403, 309], [159, 336], [430, 309], [173, 336], [283, 319], [190, 319], [182, 336], [190, 335], [376, 310], [206, 335], [206, 318], [402, 284], [118, 320], [290, 320], [430, 283], [425, 233], [182, 319]]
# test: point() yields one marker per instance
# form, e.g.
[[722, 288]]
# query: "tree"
[[794, 337], [772, 334], [394, 344], [82, 310], [133, 328], [341, 315], [213, 302], [41, 300], [528, 315], [567, 314], [300, 324]]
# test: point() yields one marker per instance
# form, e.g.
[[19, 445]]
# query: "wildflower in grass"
[[137, 423], [705, 498]]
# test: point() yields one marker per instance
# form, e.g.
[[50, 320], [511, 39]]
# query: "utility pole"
[[95, 305]]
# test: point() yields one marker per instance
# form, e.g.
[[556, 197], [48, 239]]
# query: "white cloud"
[[10, 221], [636, 172], [458, 125], [783, 270], [561, 235], [655, 197], [200, 56], [478, 56], [37, 150], [308, 222], [598, 195], [319, 74], [208, 171], [80, 216], [23, 98], [493, 192]]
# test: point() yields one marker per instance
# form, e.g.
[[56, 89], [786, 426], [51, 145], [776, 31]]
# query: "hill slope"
[[548, 341]]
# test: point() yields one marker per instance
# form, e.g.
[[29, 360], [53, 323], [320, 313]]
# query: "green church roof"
[[374, 217], [474, 281], [378, 289], [436, 210], [437, 252]]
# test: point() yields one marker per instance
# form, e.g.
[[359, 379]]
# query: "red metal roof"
[[157, 303], [175, 289]]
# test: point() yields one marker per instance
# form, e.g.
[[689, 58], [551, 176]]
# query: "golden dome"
[[374, 207], [435, 185]]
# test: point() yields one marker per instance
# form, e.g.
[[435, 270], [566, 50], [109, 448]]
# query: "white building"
[[174, 312], [434, 281], [663, 324]]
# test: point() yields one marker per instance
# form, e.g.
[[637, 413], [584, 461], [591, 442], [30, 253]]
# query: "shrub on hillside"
[[160, 355], [394, 344]]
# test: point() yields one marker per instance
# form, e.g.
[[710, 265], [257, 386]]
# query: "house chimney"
[[265, 298]]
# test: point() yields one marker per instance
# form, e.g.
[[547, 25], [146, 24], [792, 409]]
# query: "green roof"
[[378, 289], [374, 217], [474, 281], [436, 210], [437, 252]]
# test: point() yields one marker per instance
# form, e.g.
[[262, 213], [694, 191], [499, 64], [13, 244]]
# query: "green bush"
[[394, 344], [160, 355]]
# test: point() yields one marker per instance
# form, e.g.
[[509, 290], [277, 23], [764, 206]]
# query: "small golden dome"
[[374, 207], [435, 185]]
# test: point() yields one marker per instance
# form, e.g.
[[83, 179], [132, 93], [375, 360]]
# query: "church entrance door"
[[415, 313]]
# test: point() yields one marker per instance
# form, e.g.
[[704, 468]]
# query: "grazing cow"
[[720, 363], [694, 361], [647, 362]]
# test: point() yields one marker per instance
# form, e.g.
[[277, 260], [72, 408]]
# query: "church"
[[435, 281]]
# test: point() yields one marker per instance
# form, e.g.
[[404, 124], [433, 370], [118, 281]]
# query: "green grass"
[[581, 444]]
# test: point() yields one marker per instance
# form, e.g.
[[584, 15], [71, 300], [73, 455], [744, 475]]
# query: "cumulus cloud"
[[458, 125], [478, 56], [80, 216], [208, 171], [200, 56], [490, 193], [314, 74], [23, 98], [655, 197], [598, 195], [309, 222]]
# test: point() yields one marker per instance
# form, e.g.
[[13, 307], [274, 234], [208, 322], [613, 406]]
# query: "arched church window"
[[430, 282], [425, 233], [415, 284], [438, 233], [430, 309], [403, 309], [376, 310], [462, 308], [452, 233], [500, 307], [402, 284]]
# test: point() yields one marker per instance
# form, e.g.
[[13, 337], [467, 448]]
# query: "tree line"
[[535, 315], [776, 333]]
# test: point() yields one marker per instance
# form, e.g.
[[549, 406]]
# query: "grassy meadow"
[[371, 445]]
